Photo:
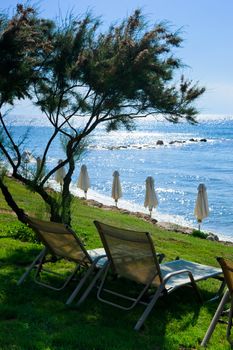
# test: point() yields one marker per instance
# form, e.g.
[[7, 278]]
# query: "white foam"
[[123, 204], [133, 207]]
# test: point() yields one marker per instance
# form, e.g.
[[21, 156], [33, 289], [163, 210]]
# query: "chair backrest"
[[131, 253], [60, 240], [227, 268]]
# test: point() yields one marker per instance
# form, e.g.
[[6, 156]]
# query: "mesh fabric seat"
[[132, 255], [60, 241], [227, 268]]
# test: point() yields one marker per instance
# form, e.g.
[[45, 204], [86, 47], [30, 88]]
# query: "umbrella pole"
[[85, 194], [150, 212], [116, 202]]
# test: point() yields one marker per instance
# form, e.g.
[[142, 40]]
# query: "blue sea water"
[[177, 167]]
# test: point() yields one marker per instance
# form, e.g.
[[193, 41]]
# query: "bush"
[[22, 232], [199, 234]]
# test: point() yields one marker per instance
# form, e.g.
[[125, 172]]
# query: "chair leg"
[[66, 282], [149, 308], [39, 267], [90, 287], [215, 319], [82, 282], [134, 301], [221, 289], [230, 323], [195, 287], [219, 292], [29, 269]]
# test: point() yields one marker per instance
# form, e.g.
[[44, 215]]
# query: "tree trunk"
[[53, 204], [66, 195], [11, 202]]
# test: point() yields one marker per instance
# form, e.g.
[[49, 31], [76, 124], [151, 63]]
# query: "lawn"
[[33, 317]]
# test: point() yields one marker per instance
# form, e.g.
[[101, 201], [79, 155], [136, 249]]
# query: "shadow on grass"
[[20, 257], [33, 317]]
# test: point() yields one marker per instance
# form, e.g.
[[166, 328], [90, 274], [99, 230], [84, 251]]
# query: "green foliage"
[[118, 75], [73, 71], [22, 39], [199, 234], [80, 151], [21, 232]]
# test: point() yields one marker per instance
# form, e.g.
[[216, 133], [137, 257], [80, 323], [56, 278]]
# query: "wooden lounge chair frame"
[[227, 268], [127, 251], [62, 242]]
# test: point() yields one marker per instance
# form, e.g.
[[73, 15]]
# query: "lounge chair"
[[62, 243], [132, 255], [227, 268]]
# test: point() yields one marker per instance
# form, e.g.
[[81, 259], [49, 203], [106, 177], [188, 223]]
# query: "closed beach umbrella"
[[27, 158], [151, 200], [60, 173], [83, 180], [201, 210], [116, 187]]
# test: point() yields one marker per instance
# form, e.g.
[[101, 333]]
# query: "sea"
[[186, 156]]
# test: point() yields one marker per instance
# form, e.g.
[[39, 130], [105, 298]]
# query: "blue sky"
[[207, 30]]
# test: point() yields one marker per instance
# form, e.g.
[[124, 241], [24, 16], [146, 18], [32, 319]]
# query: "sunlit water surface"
[[177, 167]]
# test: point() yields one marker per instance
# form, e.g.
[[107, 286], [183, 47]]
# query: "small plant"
[[22, 232], [199, 234]]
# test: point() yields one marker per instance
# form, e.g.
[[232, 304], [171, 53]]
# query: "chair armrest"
[[160, 257], [179, 272]]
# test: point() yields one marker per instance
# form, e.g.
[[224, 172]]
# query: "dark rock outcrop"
[[160, 143]]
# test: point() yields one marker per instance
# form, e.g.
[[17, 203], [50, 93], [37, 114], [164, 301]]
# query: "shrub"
[[22, 232], [199, 234]]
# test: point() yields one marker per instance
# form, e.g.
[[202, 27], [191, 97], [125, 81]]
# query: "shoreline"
[[168, 226], [106, 202], [176, 188]]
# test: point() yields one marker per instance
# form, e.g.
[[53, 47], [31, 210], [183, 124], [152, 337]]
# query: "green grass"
[[33, 317]]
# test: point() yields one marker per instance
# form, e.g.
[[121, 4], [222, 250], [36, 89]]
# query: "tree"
[[112, 78], [23, 38]]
